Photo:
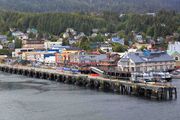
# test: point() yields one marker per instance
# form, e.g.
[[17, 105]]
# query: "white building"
[[1, 47], [139, 38], [66, 35], [144, 62], [50, 45], [18, 34], [71, 31], [50, 60], [173, 47], [42, 57], [18, 52], [33, 56], [24, 37], [106, 48], [132, 50]]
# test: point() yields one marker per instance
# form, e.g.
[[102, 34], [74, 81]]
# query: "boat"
[[151, 76], [162, 76], [140, 77], [176, 74]]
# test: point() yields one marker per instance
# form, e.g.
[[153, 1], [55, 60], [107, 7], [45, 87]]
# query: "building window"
[[176, 58], [132, 69], [92, 56], [137, 69], [155, 67]]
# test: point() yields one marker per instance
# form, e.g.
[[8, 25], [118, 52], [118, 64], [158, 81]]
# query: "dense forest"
[[119, 6], [164, 23], [54, 23]]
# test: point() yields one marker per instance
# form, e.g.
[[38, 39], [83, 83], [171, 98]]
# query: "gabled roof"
[[118, 40], [139, 57]]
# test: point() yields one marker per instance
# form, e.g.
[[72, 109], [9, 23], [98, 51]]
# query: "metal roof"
[[139, 57]]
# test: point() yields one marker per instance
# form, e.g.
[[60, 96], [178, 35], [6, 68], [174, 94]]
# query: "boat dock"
[[158, 91]]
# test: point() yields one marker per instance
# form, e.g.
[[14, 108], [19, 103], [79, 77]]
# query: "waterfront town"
[[89, 59], [107, 52], [107, 63]]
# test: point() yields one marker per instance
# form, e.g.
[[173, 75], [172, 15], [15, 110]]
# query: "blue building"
[[117, 40]]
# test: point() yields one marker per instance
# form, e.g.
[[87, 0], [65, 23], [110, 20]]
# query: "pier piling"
[[151, 91]]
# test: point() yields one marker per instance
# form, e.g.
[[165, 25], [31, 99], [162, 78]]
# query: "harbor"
[[157, 91], [89, 60], [25, 98]]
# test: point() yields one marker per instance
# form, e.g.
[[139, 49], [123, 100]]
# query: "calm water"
[[24, 98]]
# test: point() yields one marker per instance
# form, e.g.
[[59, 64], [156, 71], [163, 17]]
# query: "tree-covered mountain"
[[90, 5], [164, 23]]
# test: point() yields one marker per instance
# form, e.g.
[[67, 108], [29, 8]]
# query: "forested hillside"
[[89, 5], [54, 23], [164, 23]]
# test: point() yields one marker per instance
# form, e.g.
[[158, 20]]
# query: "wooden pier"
[[158, 91]]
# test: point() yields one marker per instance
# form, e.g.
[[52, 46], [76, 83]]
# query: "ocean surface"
[[23, 98]]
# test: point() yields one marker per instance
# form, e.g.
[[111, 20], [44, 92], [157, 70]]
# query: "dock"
[[155, 91]]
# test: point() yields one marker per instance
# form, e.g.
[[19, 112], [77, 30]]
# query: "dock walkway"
[[159, 91]]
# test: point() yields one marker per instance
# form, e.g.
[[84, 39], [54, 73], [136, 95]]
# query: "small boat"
[[176, 74], [151, 76], [162, 76]]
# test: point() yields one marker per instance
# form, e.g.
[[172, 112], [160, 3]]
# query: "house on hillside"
[[139, 46], [72, 41], [32, 30], [176, 56], [17, 34], [95, 30], [66, 35], [106, 48], [1, 47], [117, 40], [173, 47], [71, 31], [174, 51], [139, 38]]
